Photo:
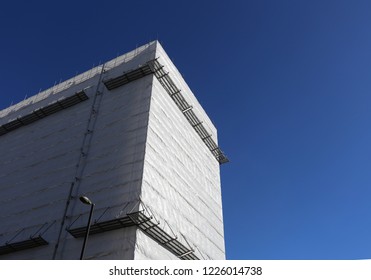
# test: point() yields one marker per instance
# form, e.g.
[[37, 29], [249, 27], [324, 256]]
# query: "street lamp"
[[86, 201]]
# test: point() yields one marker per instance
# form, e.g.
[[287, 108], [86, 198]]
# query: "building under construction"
[[130, 136]]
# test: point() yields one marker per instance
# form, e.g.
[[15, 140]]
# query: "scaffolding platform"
[[186, 109], [44, 112], [170, 243], [101, 227], [145, 222], [26, 241], [128, 77], [22, 245]]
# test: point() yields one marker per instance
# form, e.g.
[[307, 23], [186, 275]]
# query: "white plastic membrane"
[[141, 147]]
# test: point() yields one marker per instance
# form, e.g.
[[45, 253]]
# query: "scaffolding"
[[146, 222], [154, 67], [187, 110], [100, 227], [33, 240], [128, 77], [44, 112], [83, 155], [154, 231]]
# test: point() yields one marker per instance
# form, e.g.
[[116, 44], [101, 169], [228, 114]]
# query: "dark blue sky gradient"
[[287, 83]]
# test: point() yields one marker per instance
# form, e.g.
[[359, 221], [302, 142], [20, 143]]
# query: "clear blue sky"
[[287, 83]]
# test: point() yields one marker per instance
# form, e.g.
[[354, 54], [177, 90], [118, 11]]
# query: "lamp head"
[[85, 200]]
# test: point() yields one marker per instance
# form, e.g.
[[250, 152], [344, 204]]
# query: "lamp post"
[[86, 201]]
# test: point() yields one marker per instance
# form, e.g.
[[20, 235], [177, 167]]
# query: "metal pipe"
[[85, 200]]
